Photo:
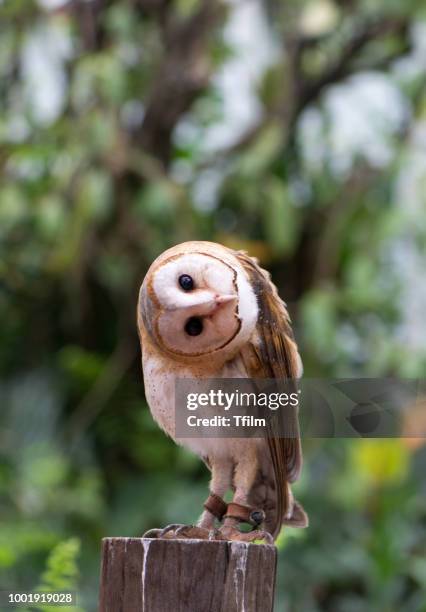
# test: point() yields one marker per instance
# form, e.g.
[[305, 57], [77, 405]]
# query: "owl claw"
[[227, 533], [162, 533], [233, 534], [152, 533], [193, 532], [180, 531]]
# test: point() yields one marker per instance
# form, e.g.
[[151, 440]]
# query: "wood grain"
[[149, 575]]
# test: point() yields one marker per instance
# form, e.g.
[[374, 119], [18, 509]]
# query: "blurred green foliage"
[[107, 111]]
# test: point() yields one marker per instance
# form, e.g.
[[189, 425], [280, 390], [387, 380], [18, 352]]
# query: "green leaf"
[[280, 219], [95, 194], [262, 153], [61, 572]]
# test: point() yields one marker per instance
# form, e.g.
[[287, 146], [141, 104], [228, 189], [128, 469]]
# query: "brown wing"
[[274, 354]]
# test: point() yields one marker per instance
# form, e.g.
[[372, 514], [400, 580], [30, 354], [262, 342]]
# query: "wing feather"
[[274, 354]]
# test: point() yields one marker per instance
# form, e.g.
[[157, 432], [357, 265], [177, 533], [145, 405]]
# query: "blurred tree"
[[293, 129]]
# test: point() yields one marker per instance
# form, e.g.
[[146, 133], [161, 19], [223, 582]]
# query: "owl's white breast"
[[160, 376]]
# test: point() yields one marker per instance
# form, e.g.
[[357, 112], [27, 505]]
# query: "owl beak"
[[224, 299], [215, 302], [207, 304]]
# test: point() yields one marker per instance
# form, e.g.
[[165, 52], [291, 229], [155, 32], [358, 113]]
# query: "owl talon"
[[169, 528], [162, 533], [233, 534], [152, 533], [193, 532], [180, 531]]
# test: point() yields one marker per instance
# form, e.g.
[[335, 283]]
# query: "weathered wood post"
[[150, 575]]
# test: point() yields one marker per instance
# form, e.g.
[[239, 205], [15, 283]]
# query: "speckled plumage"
[[246, 333]]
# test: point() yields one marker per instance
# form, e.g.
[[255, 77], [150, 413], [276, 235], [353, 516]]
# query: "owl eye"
[[186, 282], [194, 326]]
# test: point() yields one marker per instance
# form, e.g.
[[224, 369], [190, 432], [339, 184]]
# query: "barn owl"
[[206, 311]]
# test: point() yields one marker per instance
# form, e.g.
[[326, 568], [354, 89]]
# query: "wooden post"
[[149, 575]]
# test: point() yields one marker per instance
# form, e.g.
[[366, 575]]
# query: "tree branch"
[[309, 91], [344, 65], [184, 73]]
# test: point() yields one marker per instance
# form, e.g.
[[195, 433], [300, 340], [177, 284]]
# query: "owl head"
[[196, 301]]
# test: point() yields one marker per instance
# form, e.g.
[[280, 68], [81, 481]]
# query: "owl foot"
[[196, 533], [179, 531], [162, 533], [235, 535]]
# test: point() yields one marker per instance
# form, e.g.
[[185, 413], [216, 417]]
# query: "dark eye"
[[186, 282], [194, 326]]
